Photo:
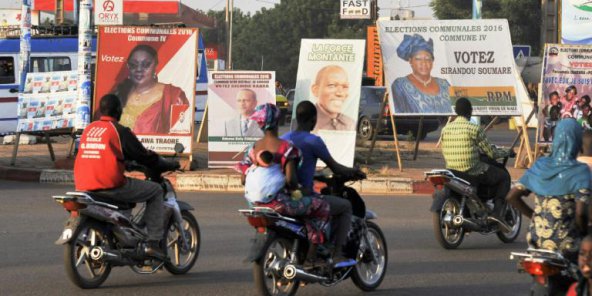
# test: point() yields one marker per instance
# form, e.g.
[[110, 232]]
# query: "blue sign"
[[521, 51]]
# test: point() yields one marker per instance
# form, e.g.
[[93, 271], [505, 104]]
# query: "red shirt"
[[100, 161]]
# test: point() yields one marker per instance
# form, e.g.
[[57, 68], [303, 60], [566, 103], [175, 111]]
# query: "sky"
[[420, 6]]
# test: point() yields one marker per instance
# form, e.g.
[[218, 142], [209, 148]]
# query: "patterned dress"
[[408, 99], [312, 209], [553, 225]]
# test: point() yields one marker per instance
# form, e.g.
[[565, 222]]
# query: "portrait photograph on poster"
[[330, 76], [429, 64], [147, 68], [232, 99], [566, 88]]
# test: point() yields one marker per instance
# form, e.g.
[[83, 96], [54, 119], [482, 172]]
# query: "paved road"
[[31, 265]]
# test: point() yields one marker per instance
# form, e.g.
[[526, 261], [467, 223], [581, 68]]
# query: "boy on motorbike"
[[313, 148], [562, 188], [584, 283], [462, 144], [105, 145]]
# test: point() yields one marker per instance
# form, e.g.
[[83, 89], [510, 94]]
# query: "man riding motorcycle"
[[313, 148], [462, 144], [99, 167]]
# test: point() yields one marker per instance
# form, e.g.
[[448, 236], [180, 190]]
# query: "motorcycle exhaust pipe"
[[97, 253], [468, 224], [292, 272], [504, 227]]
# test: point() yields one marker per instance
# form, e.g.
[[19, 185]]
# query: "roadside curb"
[[198, 182]]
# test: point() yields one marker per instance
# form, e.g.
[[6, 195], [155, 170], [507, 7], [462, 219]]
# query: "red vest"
[[99, 163]]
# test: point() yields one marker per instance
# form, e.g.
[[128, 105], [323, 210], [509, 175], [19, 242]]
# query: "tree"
[[270, 39], [524, 16]]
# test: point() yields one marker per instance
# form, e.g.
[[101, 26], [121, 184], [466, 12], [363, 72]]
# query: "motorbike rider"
[[462, 144], [99, 167], [584, 283], [313, 148], [562, 188]]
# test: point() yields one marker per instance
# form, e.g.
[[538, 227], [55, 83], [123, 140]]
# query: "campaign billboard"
[[566, 88], [429, 64], [330, 76], [48, 102], [153, 72], [232, 99]]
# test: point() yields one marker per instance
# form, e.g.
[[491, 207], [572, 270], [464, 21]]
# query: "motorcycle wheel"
[[368, 275], [514, 220], [447, 236], [267, 271], [182, 259], [81, 269]]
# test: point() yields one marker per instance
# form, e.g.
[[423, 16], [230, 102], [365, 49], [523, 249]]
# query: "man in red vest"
[[104, 147]]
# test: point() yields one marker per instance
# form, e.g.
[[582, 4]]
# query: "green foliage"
[[524, 16], [273, 35]]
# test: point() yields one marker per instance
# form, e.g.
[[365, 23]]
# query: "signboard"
[[153, 71], [129, 6], [521, 51], [565, 87], [575, 22], [330, 76], [108, 12], [355, 9], [232, 98], [48, 101], [429, 64], [12, 17]]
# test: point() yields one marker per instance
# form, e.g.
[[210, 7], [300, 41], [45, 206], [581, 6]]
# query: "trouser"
[[135, 191], [499, 179], [340, 210]]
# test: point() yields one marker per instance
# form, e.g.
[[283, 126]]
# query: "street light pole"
[[229, 9]]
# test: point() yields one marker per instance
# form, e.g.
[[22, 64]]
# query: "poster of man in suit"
[[232, 99]]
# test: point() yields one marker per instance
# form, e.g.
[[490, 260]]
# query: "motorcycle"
[[102, 233], [458, 208], [551, 272], [280, 246]]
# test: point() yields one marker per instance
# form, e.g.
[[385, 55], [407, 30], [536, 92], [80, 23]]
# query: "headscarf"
[[412, 44], [560, 173], [267, 116]]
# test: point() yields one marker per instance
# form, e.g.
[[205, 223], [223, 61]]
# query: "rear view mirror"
[[179, 148]]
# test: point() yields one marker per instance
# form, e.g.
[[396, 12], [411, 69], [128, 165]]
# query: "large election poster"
[[152, 71], [566, 88], [429, 64], [48, 102], [575, 22], [330, 76], [232, 99]]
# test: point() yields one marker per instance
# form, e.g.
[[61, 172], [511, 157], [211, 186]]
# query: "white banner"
[[430, 64], [330, 76], [576, 22], [355, 9], [108, 12]]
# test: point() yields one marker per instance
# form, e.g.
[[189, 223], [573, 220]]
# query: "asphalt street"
[[30, 264]]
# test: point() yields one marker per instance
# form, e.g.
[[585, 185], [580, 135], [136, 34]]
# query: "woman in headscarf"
[[419, 92], [269, 176], [561, 185]]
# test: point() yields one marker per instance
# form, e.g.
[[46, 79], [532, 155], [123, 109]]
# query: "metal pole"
[[230, 36], [84, 62]]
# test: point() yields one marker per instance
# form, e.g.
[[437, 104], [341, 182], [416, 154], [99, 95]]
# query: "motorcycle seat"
[[106, 198]]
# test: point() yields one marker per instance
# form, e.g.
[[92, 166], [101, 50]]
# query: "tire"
[[81, 269], [365, 129], [447, 237], [368, 275], [182, 260], [514, 220], [268, 281]]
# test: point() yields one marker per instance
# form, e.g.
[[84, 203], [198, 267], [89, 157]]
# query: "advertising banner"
[[108, 12], [153, 72], [575, 22], [330, 76], [355, 9], [232, 98], [430, 64], [48, 101], [566, 88]]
